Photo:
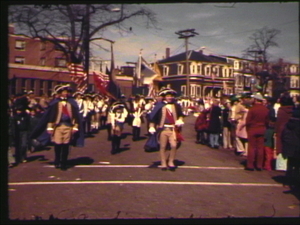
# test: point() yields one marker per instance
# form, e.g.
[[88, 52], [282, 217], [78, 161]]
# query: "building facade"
[[39, 66], [208, 75], [34, 65]]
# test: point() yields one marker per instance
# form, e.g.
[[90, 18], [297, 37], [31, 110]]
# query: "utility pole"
[[255, 67], [186, 34], [87, 44]]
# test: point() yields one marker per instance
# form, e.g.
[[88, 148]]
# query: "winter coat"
[[241, 126], [214, 124], [225, 118], [283, 116], [290, 137], [257, 120]]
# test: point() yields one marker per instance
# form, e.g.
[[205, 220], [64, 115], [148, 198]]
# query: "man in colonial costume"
[[165, 118], [62, 123]]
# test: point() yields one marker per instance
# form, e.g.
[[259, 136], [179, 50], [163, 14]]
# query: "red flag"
[[101, 81], [78, 76]]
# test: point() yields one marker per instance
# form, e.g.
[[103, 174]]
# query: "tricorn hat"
[[77, 93], [60, 87], [167, 91]]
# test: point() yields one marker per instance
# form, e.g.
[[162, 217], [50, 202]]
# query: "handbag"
[[281, 163], [152, 144]]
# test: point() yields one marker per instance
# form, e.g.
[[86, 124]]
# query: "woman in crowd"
[[283, 115]]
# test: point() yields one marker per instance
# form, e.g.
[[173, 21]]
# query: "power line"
[[246, 31]]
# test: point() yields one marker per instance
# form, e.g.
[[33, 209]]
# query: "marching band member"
[[88, 108], [96, 116], [150, 102], [116, 117], [137, 110]]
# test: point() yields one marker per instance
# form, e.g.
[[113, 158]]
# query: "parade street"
[[208, 183]]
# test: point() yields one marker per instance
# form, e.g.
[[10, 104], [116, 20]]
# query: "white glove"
[[152, 130], [179, 123]]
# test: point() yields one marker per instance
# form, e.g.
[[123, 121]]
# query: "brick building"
[[34, 65]]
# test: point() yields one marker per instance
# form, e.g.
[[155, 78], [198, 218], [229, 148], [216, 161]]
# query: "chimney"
[[201, 52], [167, 53], [11, 29]]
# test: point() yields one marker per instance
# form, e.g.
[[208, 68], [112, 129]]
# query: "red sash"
[[65, 110], [170, 117]]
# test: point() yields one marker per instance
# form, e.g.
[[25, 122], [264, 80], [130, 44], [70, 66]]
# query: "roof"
[[194, 56]]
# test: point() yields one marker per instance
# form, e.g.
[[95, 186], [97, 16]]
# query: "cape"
[[40, 133], [156, 108]]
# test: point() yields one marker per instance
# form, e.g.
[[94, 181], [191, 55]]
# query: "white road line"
[[147, 166], [144, 182]]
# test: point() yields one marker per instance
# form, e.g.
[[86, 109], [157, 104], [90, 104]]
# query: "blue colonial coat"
[[40, 133]]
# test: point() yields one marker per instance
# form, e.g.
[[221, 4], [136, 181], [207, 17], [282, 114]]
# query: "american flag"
[[78, 76]]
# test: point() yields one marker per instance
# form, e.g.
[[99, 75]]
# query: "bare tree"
[[262, 40], [70, 27]]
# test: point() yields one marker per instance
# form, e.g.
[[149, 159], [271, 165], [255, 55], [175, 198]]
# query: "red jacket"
[[283, 116], [201, 123], [257, 119]]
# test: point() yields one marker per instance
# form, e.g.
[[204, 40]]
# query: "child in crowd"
[[269, 146], [201, 125]]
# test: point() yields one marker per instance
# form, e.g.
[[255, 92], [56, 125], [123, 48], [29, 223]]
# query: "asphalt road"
[[209, 183]]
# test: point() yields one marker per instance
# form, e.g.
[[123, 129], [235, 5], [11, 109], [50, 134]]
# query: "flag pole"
[[139, 68]]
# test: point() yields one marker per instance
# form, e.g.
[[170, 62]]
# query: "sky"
[[223, 28]]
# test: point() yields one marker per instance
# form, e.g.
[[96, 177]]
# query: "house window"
[[49, 88], [198, 90], [43, 61], [183, 90], [23, 84], [180, 69], [42, 84], [20, 45], [32, 82], [59, 62], [199, 69], [225, 72], [294, 83], [194, 69], [207, 70], [236, 65], [230, 73], [42, 45], [216, 71], [239, 80], [247, 81], [165, 71], [293, 69], [20, 60], [193, 90]]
